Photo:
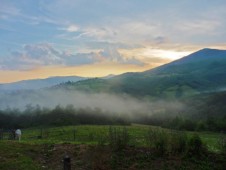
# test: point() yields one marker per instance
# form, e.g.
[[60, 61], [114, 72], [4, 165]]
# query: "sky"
[[93, 38]]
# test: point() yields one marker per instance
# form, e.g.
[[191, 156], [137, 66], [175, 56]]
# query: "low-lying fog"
[[113, 103]]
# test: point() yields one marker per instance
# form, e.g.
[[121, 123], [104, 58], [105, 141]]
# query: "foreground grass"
[[88, 147], [14, 155], [20, 156]]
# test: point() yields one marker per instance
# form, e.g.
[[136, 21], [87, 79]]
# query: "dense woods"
[[37, 116]]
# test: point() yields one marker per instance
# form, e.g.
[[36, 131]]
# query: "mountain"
[[202, 71], [39, 83]]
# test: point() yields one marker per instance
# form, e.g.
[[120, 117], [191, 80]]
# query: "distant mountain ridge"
[[202, 71], [34, 84], [39, 83]]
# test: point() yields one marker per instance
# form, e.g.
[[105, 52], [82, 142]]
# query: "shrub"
[[178, 142], [222, 144], [158, 139], [118, 138], [195, 145]]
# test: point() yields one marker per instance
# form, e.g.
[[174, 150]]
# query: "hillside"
[[202, 71]]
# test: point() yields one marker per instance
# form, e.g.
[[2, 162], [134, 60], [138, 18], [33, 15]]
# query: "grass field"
[[44, 148], [91, 134]]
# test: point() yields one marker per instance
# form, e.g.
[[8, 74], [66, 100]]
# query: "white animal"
[[18, 134]]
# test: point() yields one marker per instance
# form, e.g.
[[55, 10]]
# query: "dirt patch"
[[85, 157]]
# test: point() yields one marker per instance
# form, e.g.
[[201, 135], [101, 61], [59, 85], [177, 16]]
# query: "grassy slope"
[[14, 155], [199, 72], [33, 153]]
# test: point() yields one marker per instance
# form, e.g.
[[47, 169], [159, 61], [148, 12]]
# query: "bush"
[[222, 144], [158, 139], [178, 142], [118, 138], [195, 145]]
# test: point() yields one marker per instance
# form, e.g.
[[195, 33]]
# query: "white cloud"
[[72, 28], [97, 31], [33, 55], [121, 30], [44, 54], [68, 29]]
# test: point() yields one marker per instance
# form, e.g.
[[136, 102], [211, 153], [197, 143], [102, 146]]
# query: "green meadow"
[[92, 134], [112, 147]]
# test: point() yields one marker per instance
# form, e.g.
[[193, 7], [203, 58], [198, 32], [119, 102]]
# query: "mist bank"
[[109, 103], [51, 107], [35, 116]]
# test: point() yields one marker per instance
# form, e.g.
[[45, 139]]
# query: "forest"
[[35, 116]]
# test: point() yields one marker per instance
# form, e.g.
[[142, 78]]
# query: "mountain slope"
[[202, 71]]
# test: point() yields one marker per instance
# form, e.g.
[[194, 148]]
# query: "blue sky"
[[45, 38]]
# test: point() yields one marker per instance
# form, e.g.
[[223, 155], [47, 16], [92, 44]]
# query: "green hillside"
[[199, 72]]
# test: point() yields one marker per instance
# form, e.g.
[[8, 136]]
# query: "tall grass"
[[118, 138], [174, 142]]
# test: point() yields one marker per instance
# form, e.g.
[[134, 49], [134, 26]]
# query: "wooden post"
[[41, 134], [1, 134], [74, 134], [67, 162]]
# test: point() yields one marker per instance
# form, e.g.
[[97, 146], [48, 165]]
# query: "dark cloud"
[[160, 40]]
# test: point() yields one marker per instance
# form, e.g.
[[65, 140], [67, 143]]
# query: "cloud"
[[111, 54], [160, 40], [44, 54], [98, 32], [70, 28], [108, 55], [81, 59], [122, 30], [73, 28], [32, 55], [156, 56]]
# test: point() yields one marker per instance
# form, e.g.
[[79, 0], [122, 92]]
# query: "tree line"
[[58, 116], [34, 116]]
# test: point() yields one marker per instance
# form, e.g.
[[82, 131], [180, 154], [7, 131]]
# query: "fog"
[[113, 103]]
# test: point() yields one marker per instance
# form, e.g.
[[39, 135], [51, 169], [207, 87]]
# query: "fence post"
[[41, 133], [1, 134], [74, 134], [67, 162]]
